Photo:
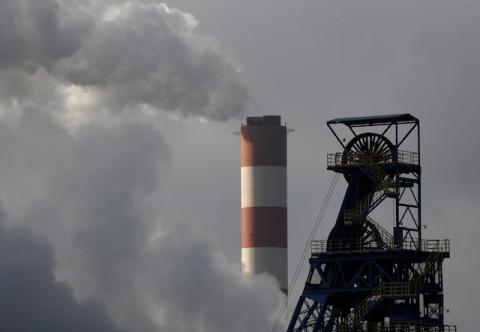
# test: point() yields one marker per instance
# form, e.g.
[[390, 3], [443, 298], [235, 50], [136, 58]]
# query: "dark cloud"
[[31, 300]]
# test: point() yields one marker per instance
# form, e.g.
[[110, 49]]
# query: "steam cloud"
[[98, 68], [31, 298], [122, 56]]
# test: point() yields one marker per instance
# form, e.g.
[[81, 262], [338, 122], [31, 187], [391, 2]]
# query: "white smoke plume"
[[104, 69], [120, 56]]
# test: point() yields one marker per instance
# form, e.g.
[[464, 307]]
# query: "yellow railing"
[[397, 289], [399, 327], [414, 327], [349, 246], [350, 158]]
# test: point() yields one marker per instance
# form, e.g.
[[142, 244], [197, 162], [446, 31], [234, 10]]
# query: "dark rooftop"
[[264, 120], [375, 120]]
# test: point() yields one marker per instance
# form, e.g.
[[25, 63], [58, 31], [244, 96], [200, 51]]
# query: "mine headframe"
[[364, 277]]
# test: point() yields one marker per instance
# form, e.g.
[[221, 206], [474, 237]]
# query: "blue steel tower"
[[364, 277]]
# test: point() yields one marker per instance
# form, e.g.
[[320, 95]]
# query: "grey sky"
[[114, 159]]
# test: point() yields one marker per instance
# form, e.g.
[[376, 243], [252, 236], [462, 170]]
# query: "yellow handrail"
[[352, 158], [348, 246], [385, 187]]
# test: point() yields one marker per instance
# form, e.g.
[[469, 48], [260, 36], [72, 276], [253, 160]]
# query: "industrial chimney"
[[264, 197]]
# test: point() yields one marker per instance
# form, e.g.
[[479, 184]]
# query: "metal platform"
[[320, 247]]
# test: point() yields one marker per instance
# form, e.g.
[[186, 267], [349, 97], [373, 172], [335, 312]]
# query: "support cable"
[[300, 263]]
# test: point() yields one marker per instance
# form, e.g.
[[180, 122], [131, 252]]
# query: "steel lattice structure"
[[363, 277]]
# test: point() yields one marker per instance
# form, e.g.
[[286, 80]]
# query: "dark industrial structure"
[[364, 277]]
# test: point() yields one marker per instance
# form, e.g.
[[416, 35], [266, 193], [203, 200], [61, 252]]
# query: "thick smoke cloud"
[[37, 33], [121, 56], [30, 298], [150, 54], [213, 296], [92, 196], [79, 86]]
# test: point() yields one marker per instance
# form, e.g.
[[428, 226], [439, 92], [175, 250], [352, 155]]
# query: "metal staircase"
[[383, 237], [402, 289], [384, 290], [385, 188]]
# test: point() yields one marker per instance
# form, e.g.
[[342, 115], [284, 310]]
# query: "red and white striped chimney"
[[264, 197]]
